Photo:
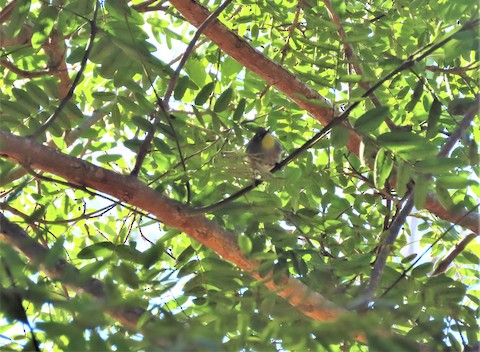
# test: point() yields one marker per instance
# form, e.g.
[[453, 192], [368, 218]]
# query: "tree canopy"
[[131, 218]]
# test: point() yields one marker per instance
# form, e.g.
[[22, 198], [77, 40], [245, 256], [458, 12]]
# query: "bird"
[[264, 151]]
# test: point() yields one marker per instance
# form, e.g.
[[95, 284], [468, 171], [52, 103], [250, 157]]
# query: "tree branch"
[[305, 97], [168, 211], [23, 73]]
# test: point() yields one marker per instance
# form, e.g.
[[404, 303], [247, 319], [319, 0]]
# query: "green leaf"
[[142, 123], [55, 253], [433, 118], [417, 94], [104, 96], [460, 106], [24, 99], [181, 87], [14, 109], [223, 100], [439, 165], [404, 174], [128, 274], [36, 94], [204, 93], [198, 115], [422, 187], [339, 136], [444, 197], [239, 110], [11, 305], [152, 255], [382, 169], [422, 270], [245, 244], [230, 69], [454, 182], [17, 19], [185, 256], [97, 250], [410, 145], [44, 25], [371, 120]]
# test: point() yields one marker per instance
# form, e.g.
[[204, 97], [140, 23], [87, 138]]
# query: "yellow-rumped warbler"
[[264, 151]]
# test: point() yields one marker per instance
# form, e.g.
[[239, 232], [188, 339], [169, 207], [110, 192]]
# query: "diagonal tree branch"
[[305, 97], [170, 212]]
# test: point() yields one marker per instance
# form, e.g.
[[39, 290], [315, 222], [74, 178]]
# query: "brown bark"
[[307, 98], [273, 73], [128, 189]]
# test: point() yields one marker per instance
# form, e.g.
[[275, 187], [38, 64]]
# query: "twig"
[[145, 6], [7, 11], [19, 304], [364, 298], [70, 276], [86, 190], [285, 48], [454, 252], [450, 70], [409, 62], [353, 59], [97, 115], [93, 214], [308, 144], [462, 126], [23, 73], [83, 64], [164, 105], [188, 51]]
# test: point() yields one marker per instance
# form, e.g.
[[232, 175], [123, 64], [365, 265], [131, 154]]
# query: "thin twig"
[[19, 304], [164, 105], [25, 74], [83, 64], [94, 214], [454, 252], [404, 273], [352, 58], [462, 126], [188, 51], [409, 62], [451, 70]]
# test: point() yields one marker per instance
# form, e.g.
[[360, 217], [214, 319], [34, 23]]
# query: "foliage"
[[321, 219]]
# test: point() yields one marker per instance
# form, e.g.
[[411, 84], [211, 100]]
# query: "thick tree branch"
[[273, 73], [128, 189], [306, 97]]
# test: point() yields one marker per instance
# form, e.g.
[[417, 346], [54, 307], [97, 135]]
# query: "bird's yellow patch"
[[268, 141]]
